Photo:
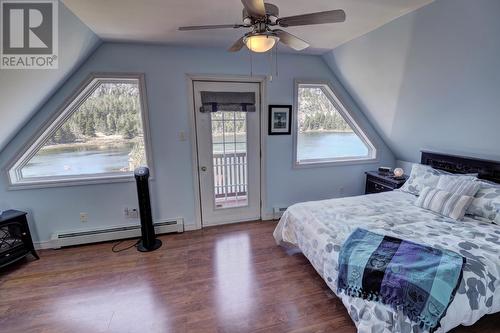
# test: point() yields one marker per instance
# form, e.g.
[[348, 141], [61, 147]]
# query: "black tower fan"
[[148, 239]]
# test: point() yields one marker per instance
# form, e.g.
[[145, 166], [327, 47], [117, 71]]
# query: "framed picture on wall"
[[280, 119]]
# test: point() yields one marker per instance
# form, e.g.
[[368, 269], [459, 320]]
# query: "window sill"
[[334, 163], [26, 185]]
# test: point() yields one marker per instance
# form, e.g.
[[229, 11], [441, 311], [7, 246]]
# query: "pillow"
[[461, 185], [497, 218], [443, 202], [420, 177], [485, 202]]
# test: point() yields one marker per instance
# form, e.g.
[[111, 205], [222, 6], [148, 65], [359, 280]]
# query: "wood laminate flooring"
[[231, 278]]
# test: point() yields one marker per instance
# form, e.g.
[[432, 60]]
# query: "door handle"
[[203, 168]]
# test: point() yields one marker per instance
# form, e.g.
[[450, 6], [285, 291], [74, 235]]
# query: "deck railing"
[[230, 175]]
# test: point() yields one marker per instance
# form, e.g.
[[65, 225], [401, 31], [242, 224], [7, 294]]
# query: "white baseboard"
[[268, 216], [191, 227], [43, 245], [87, 236]]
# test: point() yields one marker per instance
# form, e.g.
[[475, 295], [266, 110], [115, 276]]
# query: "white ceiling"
[[156, 21]]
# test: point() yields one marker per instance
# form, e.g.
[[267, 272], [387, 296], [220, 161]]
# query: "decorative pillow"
[[420, 177], [461, 185], [497, 218], [484, 202], [443, 202]]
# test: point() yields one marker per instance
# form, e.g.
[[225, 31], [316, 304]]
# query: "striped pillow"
[[460, 185], [444, 202]]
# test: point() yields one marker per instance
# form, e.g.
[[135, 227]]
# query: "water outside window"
[[229, 148], [323, 133], [105, 135]]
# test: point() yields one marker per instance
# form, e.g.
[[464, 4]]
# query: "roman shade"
[[213, 101]]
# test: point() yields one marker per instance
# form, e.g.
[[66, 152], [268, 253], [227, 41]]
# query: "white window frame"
[[349, 117], [68, 108]]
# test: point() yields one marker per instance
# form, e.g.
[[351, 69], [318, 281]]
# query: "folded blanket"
[[418, 280]]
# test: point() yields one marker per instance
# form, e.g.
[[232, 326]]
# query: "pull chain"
[[251, 63], [276, 58], [275, 69], [271, 66]]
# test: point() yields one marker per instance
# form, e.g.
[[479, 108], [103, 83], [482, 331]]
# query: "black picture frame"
[[279, 126]]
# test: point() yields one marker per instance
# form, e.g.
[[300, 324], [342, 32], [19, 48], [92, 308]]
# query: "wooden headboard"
[[489, 170]]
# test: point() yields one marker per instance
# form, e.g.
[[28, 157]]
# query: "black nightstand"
[[376, 182]]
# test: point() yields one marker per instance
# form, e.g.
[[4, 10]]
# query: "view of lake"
[[91, 159], [79, 160], [316, 145]]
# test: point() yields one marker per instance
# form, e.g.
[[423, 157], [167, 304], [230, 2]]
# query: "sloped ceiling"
[[156, 21], [23, 92], [430, 79]]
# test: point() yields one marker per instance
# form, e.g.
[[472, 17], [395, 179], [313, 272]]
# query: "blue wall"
[[430, 79], [57, 209], [76, 43]]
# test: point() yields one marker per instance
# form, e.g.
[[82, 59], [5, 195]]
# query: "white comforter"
[[320, 228]]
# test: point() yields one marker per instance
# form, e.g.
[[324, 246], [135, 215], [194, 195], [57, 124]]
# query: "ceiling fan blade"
[[238, 45], [290, 40], [254, 8], [331, 16], [205, 27]]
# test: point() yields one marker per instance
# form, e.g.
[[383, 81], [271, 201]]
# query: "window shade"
[[213, 101]]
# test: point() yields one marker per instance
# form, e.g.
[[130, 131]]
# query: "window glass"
[[323, 134], [103, 135]]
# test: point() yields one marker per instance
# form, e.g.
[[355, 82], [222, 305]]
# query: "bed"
[[320, 228]]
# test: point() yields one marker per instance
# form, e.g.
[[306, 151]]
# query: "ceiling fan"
[[260, 17]]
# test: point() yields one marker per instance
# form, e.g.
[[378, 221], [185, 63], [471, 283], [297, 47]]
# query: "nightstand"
[[376, 182]]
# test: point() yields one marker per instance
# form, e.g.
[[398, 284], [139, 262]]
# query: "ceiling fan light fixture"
[[262, 17], [261, 43]]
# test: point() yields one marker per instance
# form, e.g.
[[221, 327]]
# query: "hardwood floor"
[[231, 278]]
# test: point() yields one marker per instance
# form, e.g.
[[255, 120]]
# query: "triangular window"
[[99, 134], [325, 131]]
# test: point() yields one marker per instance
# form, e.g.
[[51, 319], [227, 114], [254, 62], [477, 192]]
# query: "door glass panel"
[[229, 149]]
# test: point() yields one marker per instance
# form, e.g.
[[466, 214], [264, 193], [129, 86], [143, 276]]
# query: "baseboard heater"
[[59, 240], [278, 212]]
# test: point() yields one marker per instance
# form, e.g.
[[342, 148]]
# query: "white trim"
[[348, 116], [75, 181], [334, 162], [194, 156], [191, 227], [262, 80], [45, 245], [268, 217], [109, 233], [64, 112], [232, 221]]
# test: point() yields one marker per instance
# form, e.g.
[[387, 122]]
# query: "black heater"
[[148, 239]]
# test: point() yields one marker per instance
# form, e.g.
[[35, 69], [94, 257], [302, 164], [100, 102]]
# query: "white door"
[[228, 144]]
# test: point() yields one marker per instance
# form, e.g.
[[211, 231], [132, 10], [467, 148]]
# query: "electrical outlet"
[[131, 213], [84, 217]]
